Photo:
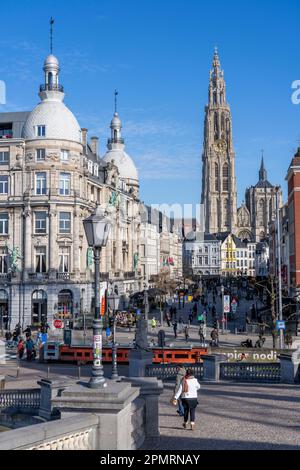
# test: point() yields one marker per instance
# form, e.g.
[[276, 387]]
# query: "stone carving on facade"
[[53, 157], [29, 158], [19, 161]]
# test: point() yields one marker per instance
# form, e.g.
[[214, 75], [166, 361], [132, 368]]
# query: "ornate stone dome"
[[51, 112], [125, 164], [116, 152], [60, 123]]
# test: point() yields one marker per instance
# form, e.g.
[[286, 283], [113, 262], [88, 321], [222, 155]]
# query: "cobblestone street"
[[234, 417]]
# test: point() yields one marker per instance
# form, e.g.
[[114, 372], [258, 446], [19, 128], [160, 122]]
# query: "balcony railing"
[[115, 141], [51, 87], [38, 276], [104, 276], [4, 277], [64, 276], [130, 275]]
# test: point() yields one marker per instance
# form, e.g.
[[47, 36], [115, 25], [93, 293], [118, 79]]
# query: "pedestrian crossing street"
[[10, 355]]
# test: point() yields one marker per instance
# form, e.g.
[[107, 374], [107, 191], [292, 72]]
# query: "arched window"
[[39, 308], [216, 126], [50, 78], [226, 212], [261, 211], [65, 304], [225, 177], [216, 175], [223, 122], [4, 319]]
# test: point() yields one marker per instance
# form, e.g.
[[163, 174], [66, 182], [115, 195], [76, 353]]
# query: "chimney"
[[95, 145], [84, 141]]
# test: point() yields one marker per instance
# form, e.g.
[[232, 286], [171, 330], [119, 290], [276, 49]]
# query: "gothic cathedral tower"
[[219, 194]]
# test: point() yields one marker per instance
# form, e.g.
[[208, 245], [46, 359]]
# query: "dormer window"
[[96, 170], [41, 131]]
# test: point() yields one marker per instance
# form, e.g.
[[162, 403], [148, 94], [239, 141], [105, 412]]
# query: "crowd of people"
[[26, 345]]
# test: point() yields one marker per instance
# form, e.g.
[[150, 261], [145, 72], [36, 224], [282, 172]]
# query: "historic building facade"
[[51, 178], [202, 255], [219, 194], [260, 209], [293, 180]]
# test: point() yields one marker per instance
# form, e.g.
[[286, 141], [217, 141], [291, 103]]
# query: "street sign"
[[234, 306], [226, 303], [280, 325], [58, 324]]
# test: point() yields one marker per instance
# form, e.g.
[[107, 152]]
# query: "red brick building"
[[293, 179]]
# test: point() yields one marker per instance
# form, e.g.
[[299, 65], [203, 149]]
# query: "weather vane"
[[116, 100], [51, 34]]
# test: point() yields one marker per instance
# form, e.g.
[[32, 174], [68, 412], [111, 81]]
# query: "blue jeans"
[[180, 407]]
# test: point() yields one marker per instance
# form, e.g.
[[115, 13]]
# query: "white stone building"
[[202, 255], [51, 178]]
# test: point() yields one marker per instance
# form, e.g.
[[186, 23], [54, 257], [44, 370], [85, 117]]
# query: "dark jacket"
[[179, 377]]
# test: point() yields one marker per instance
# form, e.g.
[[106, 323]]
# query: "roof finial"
[[216, 61], [51, 34], [116, 101]]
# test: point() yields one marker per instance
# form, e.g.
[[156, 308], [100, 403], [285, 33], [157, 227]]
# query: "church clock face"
[[220, 146]]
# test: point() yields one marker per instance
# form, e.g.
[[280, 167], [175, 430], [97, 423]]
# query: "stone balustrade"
[[251, 372], [27, 401], [73, 433], [169, 371]]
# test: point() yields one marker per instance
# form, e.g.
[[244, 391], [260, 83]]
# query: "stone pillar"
[[211, 367], [76, 243], [2, 353], [53, 254], [150, 390], [28, 239], [49, 390], [290, 367], [111, 404]]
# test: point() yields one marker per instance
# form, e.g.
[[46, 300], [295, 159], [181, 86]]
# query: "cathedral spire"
[[219, 194], [262, 171], [216, 61], [217, 87]]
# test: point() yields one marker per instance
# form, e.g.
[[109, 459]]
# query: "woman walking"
[[188, 393]]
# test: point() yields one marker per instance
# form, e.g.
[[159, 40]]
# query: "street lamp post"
[[113, 302], [97, 228], [280, 316], [222, 292], [146, 304]]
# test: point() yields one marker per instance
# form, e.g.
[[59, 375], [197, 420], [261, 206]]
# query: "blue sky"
[[158, 53]]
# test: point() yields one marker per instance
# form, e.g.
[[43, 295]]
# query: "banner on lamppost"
[[103, 289]]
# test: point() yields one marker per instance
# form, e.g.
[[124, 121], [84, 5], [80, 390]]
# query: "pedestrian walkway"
[[233, 417]]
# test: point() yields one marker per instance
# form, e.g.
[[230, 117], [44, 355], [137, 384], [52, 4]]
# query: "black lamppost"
[[113, 303], [97, 228]]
